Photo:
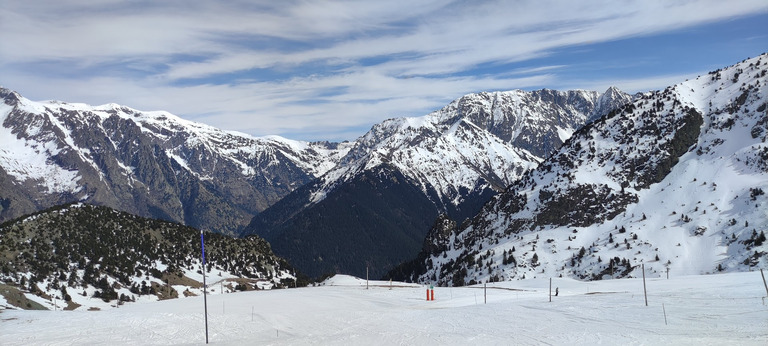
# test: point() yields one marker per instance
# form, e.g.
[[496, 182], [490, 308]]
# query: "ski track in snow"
[[714, 309]]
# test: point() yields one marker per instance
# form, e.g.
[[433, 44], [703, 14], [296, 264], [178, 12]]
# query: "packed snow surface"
[[688, 310]]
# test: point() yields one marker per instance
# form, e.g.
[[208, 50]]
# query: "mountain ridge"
[[455, 163], [147, 163], [686, 165]]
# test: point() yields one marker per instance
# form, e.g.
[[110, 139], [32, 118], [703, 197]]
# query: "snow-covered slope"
[[149, 163], [674, 181], [725, 309]]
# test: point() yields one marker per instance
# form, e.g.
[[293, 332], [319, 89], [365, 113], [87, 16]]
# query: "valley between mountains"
[[108, 202]]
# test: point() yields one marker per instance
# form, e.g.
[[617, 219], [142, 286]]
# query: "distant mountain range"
[[374, 207], [152, 164], [673, 181], [157, 165], [677, 174]]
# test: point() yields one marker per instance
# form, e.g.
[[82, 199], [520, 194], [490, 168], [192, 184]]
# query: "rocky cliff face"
[[479, 142], [148, 163]]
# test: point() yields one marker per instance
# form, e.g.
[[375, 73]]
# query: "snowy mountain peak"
[[611, 99], [674, 180], [406, 171], [490, 138], [9, 97], [148, 163]]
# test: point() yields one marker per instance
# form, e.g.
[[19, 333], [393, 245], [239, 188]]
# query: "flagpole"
[[205, 288]]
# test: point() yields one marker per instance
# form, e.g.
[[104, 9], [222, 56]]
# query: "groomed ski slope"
[[700, 310]]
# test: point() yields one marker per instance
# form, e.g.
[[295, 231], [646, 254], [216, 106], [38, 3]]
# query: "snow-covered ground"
[[712, 309]]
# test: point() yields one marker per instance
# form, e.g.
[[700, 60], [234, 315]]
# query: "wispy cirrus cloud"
[[328, 69]]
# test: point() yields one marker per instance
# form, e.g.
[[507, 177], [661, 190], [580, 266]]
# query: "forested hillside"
[[97, 252]]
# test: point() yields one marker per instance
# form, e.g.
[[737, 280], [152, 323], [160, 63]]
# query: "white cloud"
[[633, 85], [301, 105], [453, 41], [339, 64]]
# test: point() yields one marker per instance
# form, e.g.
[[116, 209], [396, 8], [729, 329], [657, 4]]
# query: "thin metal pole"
[[205, 287], [550, 290], [766, 285], [645, 292], [485, 293], [612, 264]]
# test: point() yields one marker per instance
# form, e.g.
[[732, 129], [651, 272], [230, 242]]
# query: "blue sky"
[[328, 70]]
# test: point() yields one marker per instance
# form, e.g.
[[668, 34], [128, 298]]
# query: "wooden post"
[[766, 285], [645, 292]]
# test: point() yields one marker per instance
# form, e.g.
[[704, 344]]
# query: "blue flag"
[[202, 244]]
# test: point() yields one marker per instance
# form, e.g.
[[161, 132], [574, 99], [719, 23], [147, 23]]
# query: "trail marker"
[[645, 292], [205, 287]]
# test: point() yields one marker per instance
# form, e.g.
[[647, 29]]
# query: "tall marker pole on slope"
[[645, 292], [765, 284], [205, 288]]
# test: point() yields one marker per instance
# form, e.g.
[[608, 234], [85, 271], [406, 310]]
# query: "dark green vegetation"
[[327, 237], [436, 241], [71, 248]]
